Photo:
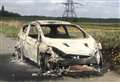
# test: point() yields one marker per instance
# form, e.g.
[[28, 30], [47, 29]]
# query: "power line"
[[69, 11]]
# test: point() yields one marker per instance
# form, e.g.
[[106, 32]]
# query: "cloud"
[[57, 1], [24, 2], [90, 8]]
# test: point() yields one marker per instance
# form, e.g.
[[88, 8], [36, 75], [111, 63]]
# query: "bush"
[[110, 41]]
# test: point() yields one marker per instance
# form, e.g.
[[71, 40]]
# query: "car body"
[[58, 44]]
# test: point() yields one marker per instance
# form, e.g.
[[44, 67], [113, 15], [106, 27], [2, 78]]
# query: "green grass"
[[109, 37], [10, 28], [10, 31]]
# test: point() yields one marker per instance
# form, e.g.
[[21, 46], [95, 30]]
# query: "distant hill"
[[33, 18], [8, 14], [5, 13]]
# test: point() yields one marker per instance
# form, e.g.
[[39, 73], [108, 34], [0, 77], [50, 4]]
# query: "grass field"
[[10, 28], [106, 33]]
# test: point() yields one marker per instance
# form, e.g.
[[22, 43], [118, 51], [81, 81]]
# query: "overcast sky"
[[90, 8]]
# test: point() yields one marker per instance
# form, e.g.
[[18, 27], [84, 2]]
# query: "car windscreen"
[[63, 31]]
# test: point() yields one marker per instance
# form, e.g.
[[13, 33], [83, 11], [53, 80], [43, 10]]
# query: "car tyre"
[[20, 54], [44, 62], [39, 60]]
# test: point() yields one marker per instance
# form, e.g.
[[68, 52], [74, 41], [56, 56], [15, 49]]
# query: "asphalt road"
[[12, 70]]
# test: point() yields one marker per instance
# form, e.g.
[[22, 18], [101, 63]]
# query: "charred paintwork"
[[61, 52]]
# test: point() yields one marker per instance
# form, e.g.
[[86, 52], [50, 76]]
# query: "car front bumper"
[[82, 61]]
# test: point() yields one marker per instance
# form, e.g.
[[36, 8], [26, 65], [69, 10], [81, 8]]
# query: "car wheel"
[[39, 60], [44, 62], [20, 54], [101, 62]]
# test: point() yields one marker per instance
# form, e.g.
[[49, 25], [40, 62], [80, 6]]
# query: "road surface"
[[12, 70]]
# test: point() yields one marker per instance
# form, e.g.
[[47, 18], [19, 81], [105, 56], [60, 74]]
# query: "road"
[[12, 70]]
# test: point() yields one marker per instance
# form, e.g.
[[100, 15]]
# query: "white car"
[[59, 45]]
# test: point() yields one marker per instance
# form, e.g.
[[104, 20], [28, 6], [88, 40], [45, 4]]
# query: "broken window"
[[25, 28], [74, 32], [62, 31], [33, 31]]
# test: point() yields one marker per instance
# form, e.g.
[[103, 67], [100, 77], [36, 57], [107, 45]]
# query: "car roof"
[[47, 22]]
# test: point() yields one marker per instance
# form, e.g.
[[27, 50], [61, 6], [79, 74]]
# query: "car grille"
[[74, 56]]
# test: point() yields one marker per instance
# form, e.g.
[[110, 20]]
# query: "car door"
[[32, 42], [22, 37]]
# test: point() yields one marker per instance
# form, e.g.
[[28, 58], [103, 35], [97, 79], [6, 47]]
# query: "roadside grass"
[[10, 28], [109, 37], [108, 34]]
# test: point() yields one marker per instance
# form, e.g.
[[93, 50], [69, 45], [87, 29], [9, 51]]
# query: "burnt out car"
[[59, 45]]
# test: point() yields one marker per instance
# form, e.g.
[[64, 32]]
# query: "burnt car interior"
[[33, 32], [55, 31], [62, 31]]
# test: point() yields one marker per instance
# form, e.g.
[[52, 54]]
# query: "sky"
[[89, 8]]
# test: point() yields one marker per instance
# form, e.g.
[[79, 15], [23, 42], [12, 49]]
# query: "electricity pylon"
[[69, 11]]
